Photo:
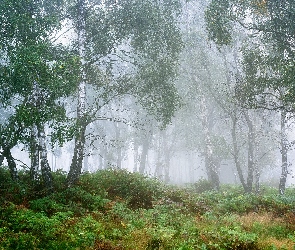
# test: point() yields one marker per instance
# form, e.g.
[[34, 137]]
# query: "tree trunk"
[[100, 162], [11, 163], [34, 144], [161, 170], [167, 168], [86, 161], [236, 152], [211, 168], [135, 161], [257, 180], [284, 154], [45, 168], [119, 146], [159, 162], [105, 157], [144, 153], [167, 152], [251, 149], [119, 157], [1, 158], [34, 155], [77, 160]]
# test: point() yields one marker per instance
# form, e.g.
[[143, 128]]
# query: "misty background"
[[209, 121]]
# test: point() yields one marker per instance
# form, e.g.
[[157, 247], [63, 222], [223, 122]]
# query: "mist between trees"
[[179, 90]]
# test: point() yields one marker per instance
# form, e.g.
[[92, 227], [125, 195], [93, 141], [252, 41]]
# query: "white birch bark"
[[77, 160], [34, 154], [211, 167], [45, 168], [284, 154], [34, 148], [251, 151]]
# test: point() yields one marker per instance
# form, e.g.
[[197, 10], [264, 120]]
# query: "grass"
[[115, 209]]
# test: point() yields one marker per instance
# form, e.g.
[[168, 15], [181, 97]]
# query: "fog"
[[213, 132]]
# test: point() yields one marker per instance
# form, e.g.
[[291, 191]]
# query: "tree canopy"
[[118, 48], [268, 49]]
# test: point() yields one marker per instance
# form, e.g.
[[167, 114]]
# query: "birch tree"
[[33, 78], [267, 82], [143, 36]]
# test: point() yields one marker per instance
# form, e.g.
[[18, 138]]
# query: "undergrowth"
[[116, 209]]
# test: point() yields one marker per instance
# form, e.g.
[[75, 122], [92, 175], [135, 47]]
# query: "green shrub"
[[139, 191], [83, 233], [229, 238], [81, 198], [46, 205], [19, 241], [22, 228], [166, 217], [10, 190], [203, 185], [277, 204], [274, 230], [59, 179], [73, 199]]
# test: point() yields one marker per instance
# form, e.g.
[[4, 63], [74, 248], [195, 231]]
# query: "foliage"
[[128, 48], [139, 191], [267, 51], [179, 218], [73, 199], [203, 185]]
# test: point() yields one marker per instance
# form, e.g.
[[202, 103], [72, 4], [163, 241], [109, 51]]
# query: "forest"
[[147, 124]]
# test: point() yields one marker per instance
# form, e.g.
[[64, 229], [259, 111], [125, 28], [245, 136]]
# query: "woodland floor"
[[115, 209]]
